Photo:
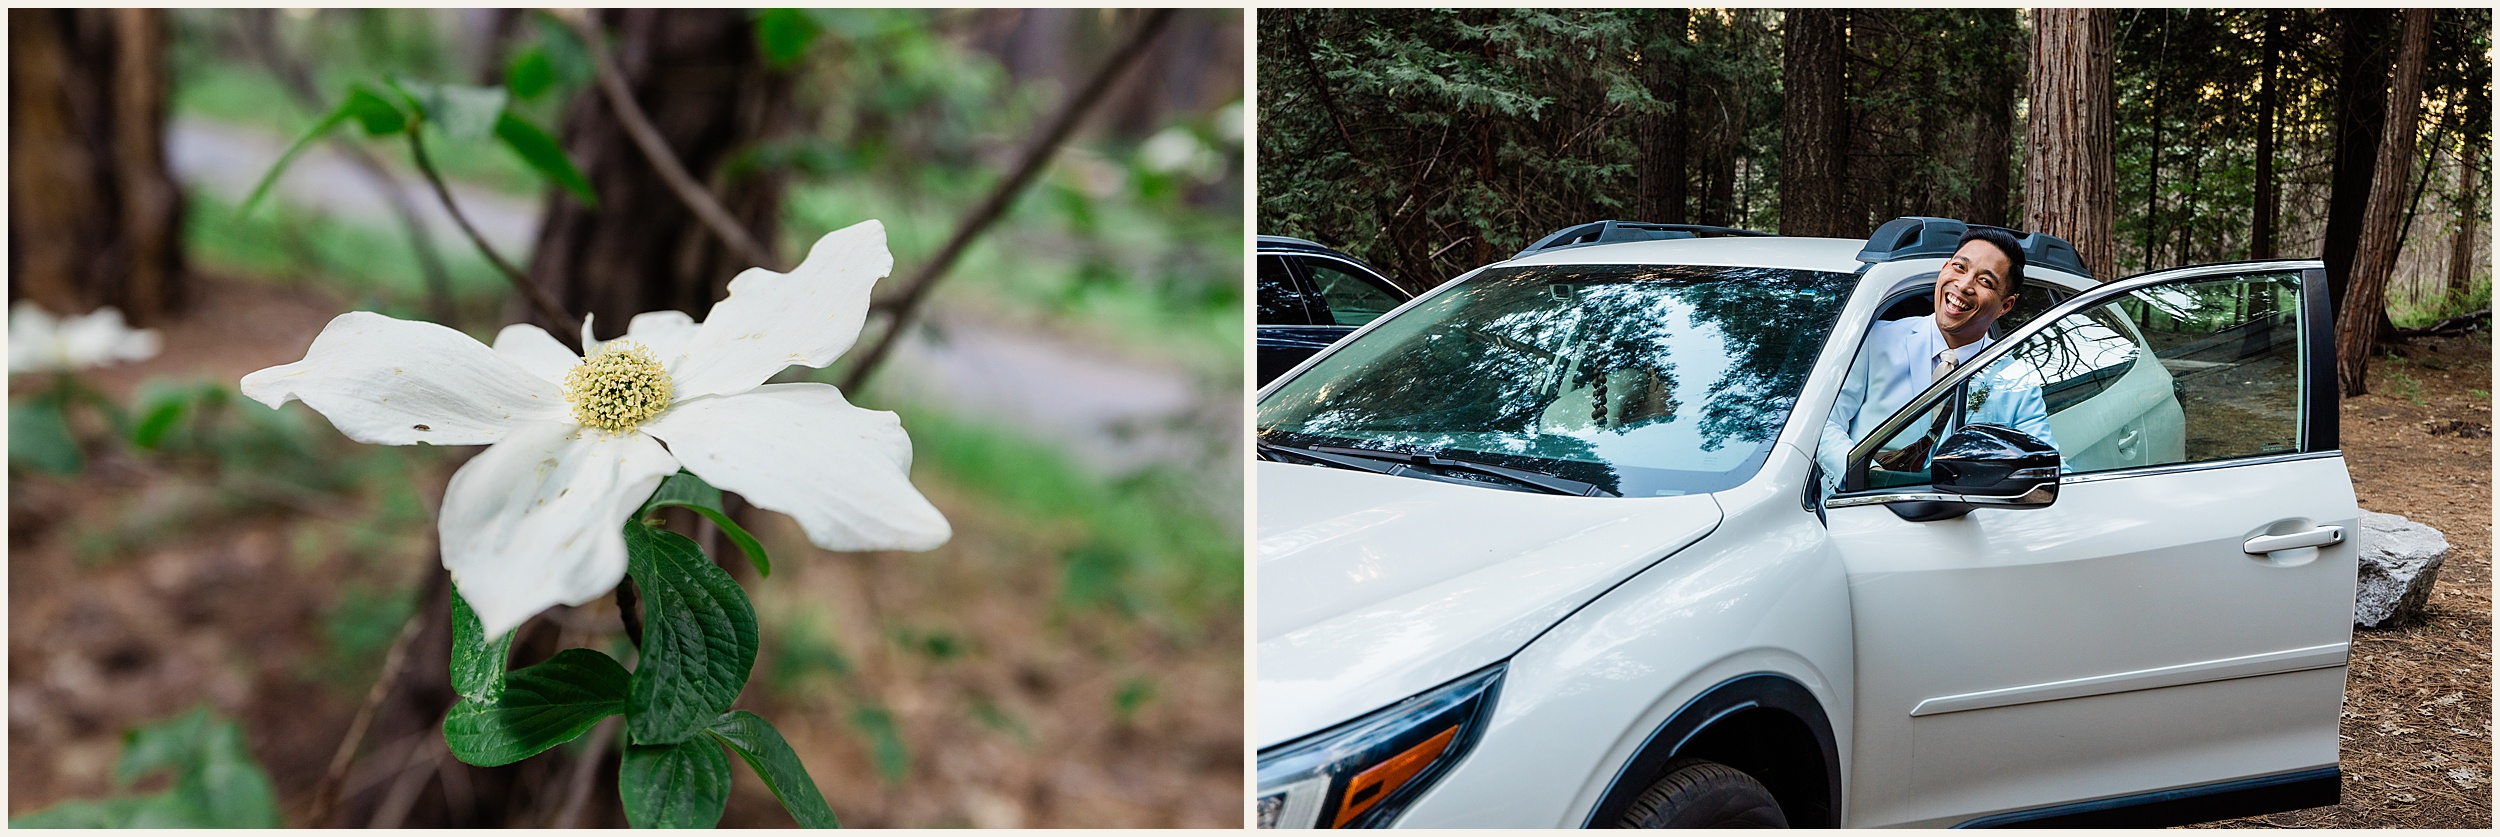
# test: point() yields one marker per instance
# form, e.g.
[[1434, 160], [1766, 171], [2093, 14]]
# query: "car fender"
[[1763, 595]]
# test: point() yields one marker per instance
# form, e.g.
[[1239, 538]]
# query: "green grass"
[[2416, 313], [1145, 548]]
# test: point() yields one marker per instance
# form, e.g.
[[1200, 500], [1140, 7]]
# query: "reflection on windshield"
[[1644, 380]]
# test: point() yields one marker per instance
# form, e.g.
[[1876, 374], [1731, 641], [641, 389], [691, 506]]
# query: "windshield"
[[1643, 380]]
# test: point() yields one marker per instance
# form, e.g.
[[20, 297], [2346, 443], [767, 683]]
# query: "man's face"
[[1972, 292]]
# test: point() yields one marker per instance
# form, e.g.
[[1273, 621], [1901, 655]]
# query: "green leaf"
[[84, 813], [169, 744], [893, 758], [529, 74], [763, 748], [477, 666], [463, 112], [682, 785], [216, 782], [378, 116], [156, 421], [39, 438], [698, 637], [541, 706], [542, 152], [686, 490], [784, 35]]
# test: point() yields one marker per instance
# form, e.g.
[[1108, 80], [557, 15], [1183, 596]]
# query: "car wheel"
[[1705, 794]]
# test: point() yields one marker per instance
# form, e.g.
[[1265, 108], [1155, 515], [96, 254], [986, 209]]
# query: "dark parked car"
[[1311, 296]]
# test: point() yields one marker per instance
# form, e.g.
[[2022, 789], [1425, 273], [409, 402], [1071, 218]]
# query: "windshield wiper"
[[1541, 481]]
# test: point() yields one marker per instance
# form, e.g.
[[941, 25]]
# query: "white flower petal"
[[534, 350], [665, 333], [772, 321], [800, 449], [33, 340], [538, 519], [395, 382]]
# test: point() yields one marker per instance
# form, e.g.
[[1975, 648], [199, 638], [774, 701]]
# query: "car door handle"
[[2128, 440], [2321, 536]]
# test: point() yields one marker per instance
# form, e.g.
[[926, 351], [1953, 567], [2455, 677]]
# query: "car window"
[[1280, 298], [2189, 372], [1643, 380], [1351, 300]]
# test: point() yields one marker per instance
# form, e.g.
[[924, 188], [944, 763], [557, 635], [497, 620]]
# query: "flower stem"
[[567, 329], [629, 610]]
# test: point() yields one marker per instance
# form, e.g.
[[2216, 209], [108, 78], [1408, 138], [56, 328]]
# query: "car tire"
[[1704, 794]]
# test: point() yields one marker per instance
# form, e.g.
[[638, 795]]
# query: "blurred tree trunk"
[[1661, 183], [2360, 111], [2357, 326], [2461, 259], [2069, 184], [94, 215], [1812, 140], [698, 75], [1992, 160], [2261, 232]]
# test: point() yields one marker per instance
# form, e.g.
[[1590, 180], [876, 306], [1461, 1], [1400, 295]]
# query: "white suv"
[[1552, 546]]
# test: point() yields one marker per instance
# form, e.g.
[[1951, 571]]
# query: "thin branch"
[[326, 794], [655, 148], [578, 786], [979, 219], [568, 329]]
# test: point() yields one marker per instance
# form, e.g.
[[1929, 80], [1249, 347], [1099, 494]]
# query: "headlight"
[[1364, 773]]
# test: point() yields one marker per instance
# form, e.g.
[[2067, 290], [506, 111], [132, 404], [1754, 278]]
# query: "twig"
[[577, 786], [424, 761], [258, 32], [917, 290], [326, 795], [638, 127], [568, 330]]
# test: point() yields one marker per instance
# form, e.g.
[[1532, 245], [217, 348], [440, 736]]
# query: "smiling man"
[[1902, 357]]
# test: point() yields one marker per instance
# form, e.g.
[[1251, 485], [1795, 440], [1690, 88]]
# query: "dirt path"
[[2417, 704]]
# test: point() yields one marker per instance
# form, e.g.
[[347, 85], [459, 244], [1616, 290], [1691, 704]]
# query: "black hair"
[[2004, 241]]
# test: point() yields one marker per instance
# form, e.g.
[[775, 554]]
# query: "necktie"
[[1945, 363]]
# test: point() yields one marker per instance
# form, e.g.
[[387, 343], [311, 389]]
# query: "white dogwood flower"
[[40, 342], [578, 443]]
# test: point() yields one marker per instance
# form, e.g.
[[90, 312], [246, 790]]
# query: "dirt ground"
[[937, 689], [2417, 703]]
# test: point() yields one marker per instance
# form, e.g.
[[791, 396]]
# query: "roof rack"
[[1608, 232], [1913, 236]]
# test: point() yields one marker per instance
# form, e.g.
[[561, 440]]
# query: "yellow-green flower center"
[[618, 388]]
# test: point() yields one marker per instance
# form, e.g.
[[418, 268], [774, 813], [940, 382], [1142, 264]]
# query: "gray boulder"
[[2399, 562]]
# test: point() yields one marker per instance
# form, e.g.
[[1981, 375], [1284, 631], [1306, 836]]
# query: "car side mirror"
[[1986, 466]]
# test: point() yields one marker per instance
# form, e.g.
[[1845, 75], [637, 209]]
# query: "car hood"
[[1373, 588]]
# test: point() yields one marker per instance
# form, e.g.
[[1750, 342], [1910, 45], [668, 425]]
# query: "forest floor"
[[2417, 721], [959, 687]]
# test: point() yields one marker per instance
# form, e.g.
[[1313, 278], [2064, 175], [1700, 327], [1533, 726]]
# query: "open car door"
[[2154, 630]]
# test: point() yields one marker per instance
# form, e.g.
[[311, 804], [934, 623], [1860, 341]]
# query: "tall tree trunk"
[[94, 216], [1992, 158], [2261, 232], [2461, 259], [2360, 111], [2070, 182], [1813, 69], [2375, 259], [1660, 182], [697, 74]]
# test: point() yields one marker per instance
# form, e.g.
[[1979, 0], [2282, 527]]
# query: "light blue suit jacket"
[[1897, 363]]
